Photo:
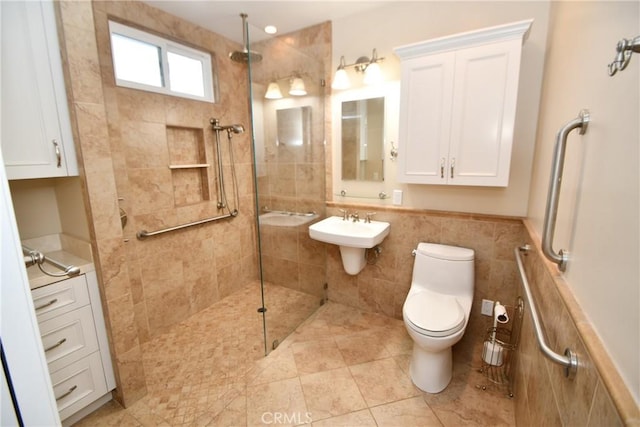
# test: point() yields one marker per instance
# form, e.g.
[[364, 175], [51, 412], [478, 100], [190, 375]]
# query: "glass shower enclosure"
[[287, 97]]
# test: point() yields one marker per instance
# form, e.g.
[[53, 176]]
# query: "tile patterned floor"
[[341, 367]]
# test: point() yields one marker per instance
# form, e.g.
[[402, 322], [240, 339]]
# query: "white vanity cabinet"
[[74, 338], [36, 134], [457, 107]]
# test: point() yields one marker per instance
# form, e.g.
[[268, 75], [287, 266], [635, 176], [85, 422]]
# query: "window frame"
[[165, 46]]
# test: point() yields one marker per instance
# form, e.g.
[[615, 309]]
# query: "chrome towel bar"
[[143, 234], [569, 360], [33, 257], [561, 258]]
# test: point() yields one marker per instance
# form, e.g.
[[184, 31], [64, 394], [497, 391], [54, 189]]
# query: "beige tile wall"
[[294, 178], [122, 142], [596, 396], [383, 286]]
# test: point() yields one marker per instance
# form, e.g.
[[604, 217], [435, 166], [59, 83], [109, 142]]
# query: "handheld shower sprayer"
[[235, 128], [222, 194]]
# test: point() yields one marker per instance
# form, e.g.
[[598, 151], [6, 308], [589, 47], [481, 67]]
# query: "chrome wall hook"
[[624, 50]]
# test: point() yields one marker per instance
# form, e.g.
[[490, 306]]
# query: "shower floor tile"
[[211, 371]]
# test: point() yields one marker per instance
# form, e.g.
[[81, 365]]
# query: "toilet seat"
[[434, 314]]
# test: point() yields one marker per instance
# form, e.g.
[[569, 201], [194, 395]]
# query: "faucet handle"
[[368, 216], [345, 214], [355, 217]]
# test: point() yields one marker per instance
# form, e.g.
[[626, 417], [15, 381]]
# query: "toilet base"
[[431, 372]]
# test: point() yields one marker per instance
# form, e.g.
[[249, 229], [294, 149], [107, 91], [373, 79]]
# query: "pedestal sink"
[[352, 237]]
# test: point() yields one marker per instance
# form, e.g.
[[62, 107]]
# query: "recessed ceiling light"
[[270, 29]]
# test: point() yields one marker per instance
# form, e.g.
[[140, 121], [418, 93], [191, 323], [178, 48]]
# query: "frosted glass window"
[[145, 61], [136, 61], [185, 74]]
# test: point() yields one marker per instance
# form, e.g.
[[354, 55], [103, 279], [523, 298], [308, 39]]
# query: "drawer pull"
[[63, 395], [58, 344], [53, 301]]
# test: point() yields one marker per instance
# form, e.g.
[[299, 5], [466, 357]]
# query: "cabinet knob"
[[58, 153]]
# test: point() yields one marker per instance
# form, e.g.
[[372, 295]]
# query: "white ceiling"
[[223, 17]]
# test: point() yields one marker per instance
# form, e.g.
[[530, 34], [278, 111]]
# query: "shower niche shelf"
[[498, 351], [188, 165]]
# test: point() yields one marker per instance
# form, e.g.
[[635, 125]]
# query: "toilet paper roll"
[[492, 353], [500, 313]]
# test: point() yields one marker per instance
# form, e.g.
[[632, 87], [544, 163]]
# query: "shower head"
[[245, 55]]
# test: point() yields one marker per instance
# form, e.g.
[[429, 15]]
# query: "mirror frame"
[[390, 91]]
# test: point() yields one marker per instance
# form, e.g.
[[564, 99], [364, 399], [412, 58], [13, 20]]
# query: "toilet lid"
[[435, 314]]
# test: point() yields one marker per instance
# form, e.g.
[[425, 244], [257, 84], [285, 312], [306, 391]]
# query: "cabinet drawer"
[[79, 384], [60, 297], [68, 338]]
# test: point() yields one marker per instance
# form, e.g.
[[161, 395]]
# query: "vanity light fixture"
[[368, 66], [296, 87]]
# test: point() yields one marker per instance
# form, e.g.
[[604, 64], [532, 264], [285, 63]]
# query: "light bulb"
[[297, 87], [273, 91], [341, 80], [373, 74]]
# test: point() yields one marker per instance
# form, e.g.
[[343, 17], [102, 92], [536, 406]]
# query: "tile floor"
[[341, 367]]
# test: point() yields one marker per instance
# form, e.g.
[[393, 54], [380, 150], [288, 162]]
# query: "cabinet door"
[[425, 117], [36, 134], [484, 106]]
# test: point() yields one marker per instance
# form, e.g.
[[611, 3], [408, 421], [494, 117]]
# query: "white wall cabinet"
[[74, 338], [457, 107], [36, 134]]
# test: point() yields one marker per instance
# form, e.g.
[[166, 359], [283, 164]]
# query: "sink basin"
[[353, 238], [286, 219], [342, 232]]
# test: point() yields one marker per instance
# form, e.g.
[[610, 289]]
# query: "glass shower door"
[[288, 110]]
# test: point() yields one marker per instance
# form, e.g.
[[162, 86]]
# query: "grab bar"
[[562, 257], [143, 234], [570, 359]]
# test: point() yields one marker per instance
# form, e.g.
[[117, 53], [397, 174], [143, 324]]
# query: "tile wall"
[[596, 396], [383, 286], [291, 175], [124, 140]]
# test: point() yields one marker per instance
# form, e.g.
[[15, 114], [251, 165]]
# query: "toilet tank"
[[443, 269]]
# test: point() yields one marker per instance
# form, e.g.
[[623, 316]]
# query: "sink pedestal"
[[353, 259]]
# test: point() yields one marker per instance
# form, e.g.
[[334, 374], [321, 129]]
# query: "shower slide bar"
[[570, 359], [562, 257], [143, 234]]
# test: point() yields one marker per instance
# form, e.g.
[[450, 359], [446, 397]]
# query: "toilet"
[[436, 311]]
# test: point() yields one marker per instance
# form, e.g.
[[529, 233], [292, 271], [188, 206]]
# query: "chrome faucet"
[[368, 216], [345, 214], [355, 217]]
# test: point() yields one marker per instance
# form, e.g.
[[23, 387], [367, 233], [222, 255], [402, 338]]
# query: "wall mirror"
[[294, 126], [362, 139]]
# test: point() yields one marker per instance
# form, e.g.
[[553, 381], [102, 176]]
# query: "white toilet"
[[436, 311]]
